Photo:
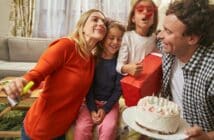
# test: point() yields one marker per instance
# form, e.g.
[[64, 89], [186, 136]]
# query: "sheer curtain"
[[56, 18], [49, 18], [162, 7], [117, 9]]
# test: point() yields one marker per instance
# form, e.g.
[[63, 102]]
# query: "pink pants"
[[106, 130]]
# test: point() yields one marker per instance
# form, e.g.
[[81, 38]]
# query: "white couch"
[[19, 54]]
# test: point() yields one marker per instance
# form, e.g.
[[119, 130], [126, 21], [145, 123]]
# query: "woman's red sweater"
[[67, 80]]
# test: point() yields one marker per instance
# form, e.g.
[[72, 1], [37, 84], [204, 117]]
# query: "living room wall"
[[4, 16]]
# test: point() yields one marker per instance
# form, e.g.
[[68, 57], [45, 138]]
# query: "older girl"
[[139, 40]]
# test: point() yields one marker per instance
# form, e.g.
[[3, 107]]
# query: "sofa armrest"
[[4, 50]]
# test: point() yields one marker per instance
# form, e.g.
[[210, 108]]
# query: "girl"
[[102, 101], [67, 67], [139, 40]]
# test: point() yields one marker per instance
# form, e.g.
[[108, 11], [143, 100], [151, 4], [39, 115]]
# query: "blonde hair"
[[131, 24], [78, 34]]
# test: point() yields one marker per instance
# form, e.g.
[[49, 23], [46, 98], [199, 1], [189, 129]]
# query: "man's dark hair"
[[198, 16]]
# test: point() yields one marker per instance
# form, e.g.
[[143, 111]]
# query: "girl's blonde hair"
[[78, 34], [110, 24], [131, 24]]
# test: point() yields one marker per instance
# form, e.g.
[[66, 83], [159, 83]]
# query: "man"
[[188, 64]]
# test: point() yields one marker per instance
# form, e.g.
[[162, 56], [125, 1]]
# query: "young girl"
[[102, 101], [139, 40]]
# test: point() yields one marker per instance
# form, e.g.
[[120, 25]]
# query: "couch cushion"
[[14, 68], [26, 49], [4, 50]]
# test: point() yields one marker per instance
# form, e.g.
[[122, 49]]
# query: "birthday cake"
[[158, 114]]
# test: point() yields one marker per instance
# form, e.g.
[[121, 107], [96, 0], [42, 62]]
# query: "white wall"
[[4, 16]]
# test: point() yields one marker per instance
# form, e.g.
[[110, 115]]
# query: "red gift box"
[[146, 84]]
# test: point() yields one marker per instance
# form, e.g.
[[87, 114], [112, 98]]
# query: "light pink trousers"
[[106, 130]]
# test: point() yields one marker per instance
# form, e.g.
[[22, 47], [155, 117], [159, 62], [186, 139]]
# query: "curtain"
[[116, 9], [49, 18], [74, 9], [57, 18], [21, 17], [162, 7]]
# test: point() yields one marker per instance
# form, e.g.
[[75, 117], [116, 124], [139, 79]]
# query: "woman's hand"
[[14, 88], [196, 133]]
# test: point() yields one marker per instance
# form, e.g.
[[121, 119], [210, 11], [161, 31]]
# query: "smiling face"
[[173, 38], [144, 15], [112, 42], [94, 28]]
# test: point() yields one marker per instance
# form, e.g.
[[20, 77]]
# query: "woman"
[[67, 67]]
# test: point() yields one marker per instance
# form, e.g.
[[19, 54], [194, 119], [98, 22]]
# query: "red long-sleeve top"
[[67, 80]]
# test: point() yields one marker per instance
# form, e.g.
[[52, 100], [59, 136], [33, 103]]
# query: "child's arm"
[[123, 54], [115, 95], [90, 102], [132, 69]]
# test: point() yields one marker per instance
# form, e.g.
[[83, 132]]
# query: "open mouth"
[[114, 47], [165, 45], [144, 19]]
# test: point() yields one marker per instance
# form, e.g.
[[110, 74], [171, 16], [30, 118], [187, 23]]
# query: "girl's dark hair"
[[198, 16], [131, 25]]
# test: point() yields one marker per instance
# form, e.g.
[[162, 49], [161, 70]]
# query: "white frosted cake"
[[158, 114]]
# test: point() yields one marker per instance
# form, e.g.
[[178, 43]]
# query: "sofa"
[[18, 54]]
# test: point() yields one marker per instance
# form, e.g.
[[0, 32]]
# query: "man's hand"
[[196, 133]]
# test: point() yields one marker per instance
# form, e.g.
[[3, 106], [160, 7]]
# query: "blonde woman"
[[67, 67]]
